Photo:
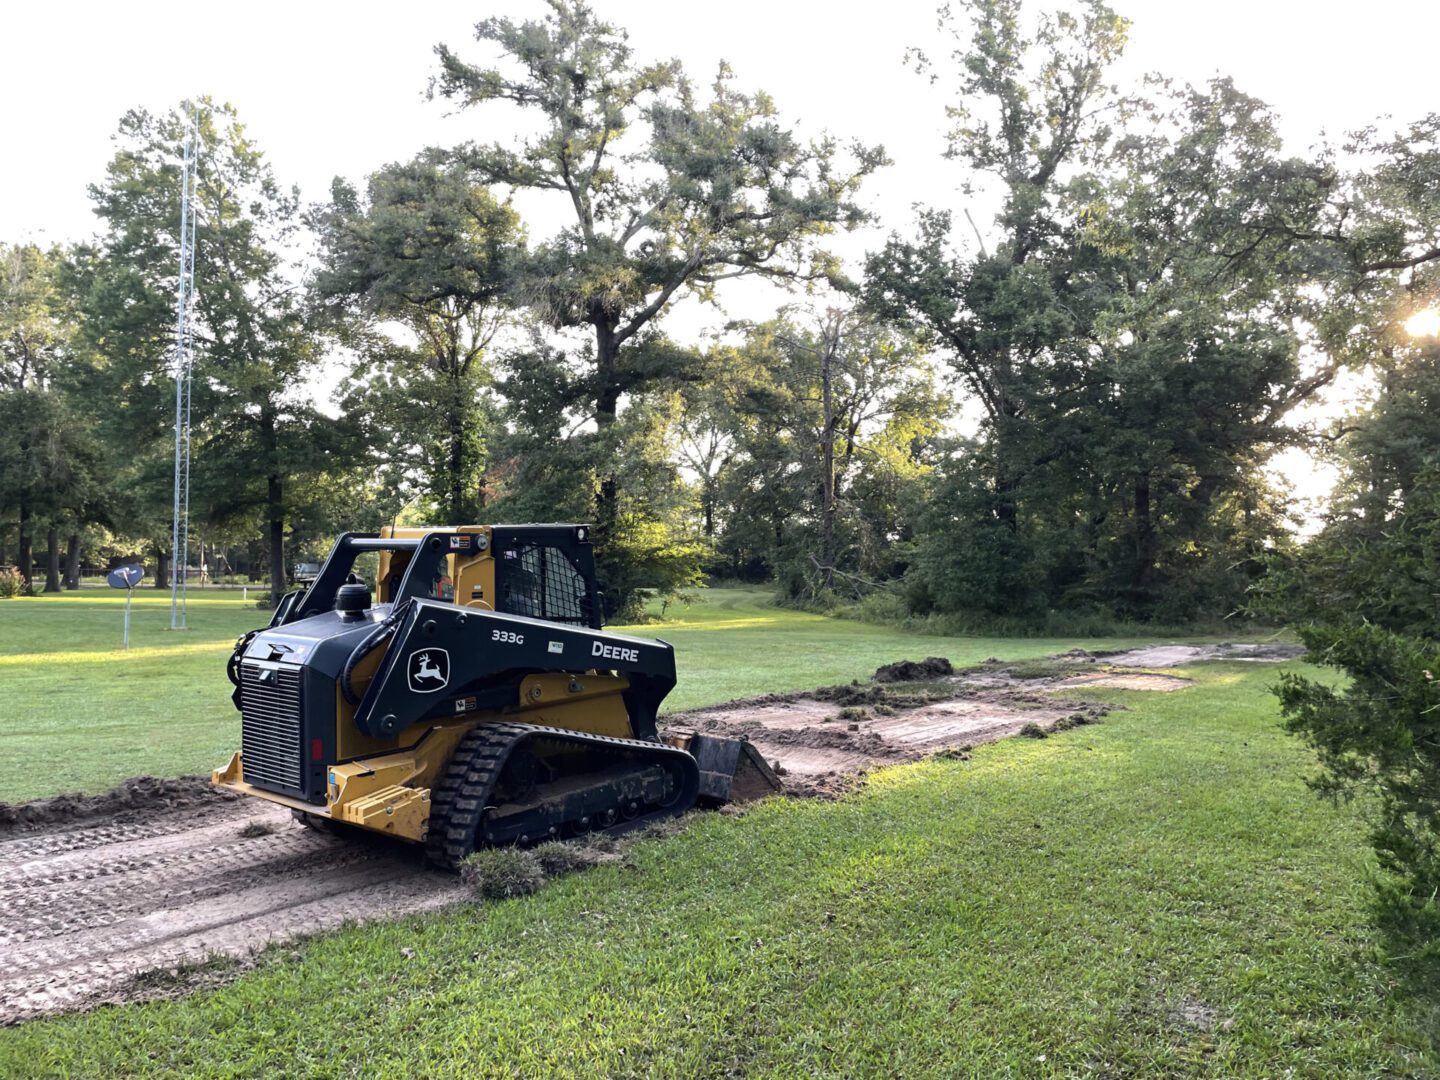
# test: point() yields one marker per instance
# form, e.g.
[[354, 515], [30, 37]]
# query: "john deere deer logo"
[[429, 670]]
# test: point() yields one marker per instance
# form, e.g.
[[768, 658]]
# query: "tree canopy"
[[1064, 405]]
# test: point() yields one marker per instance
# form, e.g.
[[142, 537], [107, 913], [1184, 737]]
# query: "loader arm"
[[441, 657]]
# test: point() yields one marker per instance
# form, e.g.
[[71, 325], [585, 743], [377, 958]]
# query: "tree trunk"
[[1144, 535], [1007, 484], [72, 562], [276, 538], [52, 560], [25, 562], [162, 568], [456, 422], [827, 465], [274, 505], [607, 406], [1005, 417]]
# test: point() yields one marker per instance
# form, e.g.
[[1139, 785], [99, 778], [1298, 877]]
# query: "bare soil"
[[140, 795], [134, 893], [85, 908], [822, 747], [1126, 680], [1163, 656]]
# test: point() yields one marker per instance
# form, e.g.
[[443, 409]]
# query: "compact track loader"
[[475, 702]]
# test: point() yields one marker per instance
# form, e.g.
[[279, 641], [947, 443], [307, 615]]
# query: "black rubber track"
[[460, 797]]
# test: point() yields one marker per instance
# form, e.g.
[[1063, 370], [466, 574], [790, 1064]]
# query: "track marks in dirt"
[[85, 909]]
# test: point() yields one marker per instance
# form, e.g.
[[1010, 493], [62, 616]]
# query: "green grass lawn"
[[94, 715], [1157, 895]]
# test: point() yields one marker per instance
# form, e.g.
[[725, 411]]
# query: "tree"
[[433, 252], [667, 197], [846, 375], [1362, 592], [257, 437], [1026, 111], [1363, 597], [1192, 364], [1127, 334], [807, 408], [546, 457], [47, 461]]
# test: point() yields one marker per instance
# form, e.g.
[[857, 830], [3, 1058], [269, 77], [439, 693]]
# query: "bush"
[[882, 606], [1381, 733], [11, 583], [502, 873], [1363, 594]]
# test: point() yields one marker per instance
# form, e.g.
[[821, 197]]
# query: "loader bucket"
[[731, 770]]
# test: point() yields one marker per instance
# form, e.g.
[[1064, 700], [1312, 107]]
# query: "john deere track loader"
[[476, 701]]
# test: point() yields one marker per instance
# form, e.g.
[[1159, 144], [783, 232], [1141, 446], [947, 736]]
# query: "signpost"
[[126, 577]]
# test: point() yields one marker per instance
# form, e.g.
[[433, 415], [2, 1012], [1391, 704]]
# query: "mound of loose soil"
[[141, 794], [932, 667]]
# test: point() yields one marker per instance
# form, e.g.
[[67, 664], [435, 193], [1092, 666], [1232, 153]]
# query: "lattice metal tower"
[[184, 363]]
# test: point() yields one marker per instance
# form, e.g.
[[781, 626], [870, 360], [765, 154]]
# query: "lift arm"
[[441, 657]]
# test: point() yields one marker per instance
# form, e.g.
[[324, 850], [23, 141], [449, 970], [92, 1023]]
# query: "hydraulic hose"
[[232, 666], [383, 629]]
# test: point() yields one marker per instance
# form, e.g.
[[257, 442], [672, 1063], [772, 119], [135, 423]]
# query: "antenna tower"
[[184, 363]]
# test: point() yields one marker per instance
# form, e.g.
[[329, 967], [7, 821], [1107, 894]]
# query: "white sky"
[[332, 88]]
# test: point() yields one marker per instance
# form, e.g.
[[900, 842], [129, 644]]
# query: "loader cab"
[[539, 571]]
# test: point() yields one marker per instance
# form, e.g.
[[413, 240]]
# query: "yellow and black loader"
[[474, 701]]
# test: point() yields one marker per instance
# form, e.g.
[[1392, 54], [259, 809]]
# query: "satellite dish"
[[125, 577]]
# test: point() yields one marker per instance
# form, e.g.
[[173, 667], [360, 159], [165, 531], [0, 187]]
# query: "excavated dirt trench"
[[96, 892]]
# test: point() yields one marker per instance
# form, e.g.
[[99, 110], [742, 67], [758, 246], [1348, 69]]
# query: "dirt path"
[[85, 908], [95, 892]]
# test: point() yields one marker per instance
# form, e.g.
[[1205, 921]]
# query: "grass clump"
[[558, 857], [951, 753], [1074, 720], [888, 697], [1028, 670], [254, 829], [507, 872], [1033, 730], [502, 873], [854, 712]]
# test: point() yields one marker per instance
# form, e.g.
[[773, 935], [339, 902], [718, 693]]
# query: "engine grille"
[[270, 735]]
